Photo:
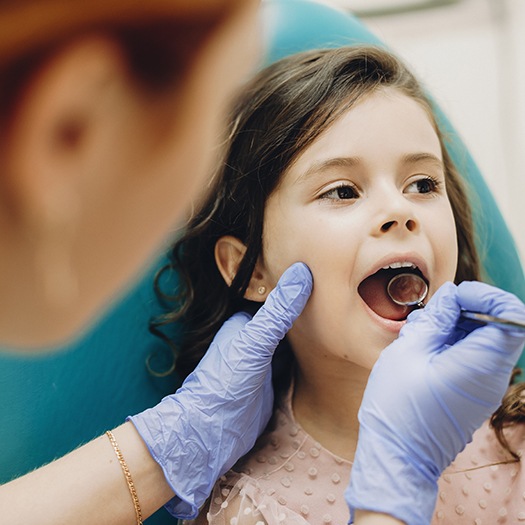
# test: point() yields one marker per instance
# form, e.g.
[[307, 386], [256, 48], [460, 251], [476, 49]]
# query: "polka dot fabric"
[[290, 479], [483, 486]]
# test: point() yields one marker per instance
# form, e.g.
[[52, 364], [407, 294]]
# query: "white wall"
[[471, 56]]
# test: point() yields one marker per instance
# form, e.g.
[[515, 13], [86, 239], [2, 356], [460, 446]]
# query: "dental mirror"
[[408, 289]]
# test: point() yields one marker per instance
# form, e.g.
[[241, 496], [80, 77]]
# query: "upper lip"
[[412, 258]]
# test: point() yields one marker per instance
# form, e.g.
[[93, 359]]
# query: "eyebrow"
[[320, 166], [413, 158], [349, 162]]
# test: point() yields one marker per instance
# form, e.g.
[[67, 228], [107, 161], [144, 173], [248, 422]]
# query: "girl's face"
[[368, 194]]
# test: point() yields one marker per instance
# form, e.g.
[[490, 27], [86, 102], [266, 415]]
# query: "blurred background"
[[471, 56]]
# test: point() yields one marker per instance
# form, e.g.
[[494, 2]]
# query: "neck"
[[326, 401]]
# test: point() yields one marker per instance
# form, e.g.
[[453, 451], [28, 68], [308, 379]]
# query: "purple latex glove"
[[198, 433], [427, 394]]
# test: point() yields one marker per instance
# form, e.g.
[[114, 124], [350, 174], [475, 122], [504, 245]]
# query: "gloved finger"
[[231, 327], [487, 299], [490, 349], [436, 323], [504, 344], [284, 304], [483, 361], [244, 346], [219, 361]]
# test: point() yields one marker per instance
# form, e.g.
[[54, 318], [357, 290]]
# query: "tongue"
[[373, 292]]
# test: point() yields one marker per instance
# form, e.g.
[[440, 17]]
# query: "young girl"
[[335, 159]]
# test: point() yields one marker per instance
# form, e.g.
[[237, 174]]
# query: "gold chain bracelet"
[[127, 475]]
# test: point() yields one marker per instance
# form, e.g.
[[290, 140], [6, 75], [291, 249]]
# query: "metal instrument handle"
[[491, 319]]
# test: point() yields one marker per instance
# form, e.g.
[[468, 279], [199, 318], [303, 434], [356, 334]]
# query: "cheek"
[[451, 253], [325, 245], [286, 240], [278, 256], [445, 245], [332, 328]]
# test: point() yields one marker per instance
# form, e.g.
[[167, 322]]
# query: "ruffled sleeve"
[[287, 479], [237, 499]]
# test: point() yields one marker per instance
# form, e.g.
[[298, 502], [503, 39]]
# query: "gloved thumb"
[[282, 307], [438, 319]]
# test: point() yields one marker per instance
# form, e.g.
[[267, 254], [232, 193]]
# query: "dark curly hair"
[[282, 111]]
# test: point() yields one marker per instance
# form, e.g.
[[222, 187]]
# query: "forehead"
[[382, 128]]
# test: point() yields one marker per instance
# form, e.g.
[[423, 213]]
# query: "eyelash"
[[338, 188], [435, 185]]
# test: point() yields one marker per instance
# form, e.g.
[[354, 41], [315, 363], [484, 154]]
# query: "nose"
[[396, 216], [409, 224]]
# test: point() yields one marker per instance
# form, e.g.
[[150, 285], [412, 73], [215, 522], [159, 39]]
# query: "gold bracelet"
[[127, 475]]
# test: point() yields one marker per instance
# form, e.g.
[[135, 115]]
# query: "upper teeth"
[[401, 264]]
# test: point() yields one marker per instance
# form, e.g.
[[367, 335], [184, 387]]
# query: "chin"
[[380, 343]]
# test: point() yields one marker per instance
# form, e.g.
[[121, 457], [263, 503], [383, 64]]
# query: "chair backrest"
[[51, 404]]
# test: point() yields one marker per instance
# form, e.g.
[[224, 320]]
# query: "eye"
[[344, 191], [424, 185]]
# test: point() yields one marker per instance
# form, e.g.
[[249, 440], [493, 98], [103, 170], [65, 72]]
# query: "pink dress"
[[290, 479], [481, 486]]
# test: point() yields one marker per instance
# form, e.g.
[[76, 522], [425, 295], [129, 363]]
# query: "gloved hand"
[[427, 394], [198, 433]]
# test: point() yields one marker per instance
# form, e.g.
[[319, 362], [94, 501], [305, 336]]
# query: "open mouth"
[[373, 291]]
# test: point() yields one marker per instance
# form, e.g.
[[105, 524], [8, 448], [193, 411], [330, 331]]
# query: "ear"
[[229, 252], [59, 128]]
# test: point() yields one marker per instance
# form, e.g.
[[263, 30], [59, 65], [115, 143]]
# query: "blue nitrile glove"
[[427, 394], [198, 433]]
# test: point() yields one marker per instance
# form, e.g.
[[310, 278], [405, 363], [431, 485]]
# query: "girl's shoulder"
[[484, 484]]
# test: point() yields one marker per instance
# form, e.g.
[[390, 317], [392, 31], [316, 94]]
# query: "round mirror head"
[[407, 289]]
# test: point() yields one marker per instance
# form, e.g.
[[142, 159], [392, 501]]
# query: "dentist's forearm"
[[88, 486]]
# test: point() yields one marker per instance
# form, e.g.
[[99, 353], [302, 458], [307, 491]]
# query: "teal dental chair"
[[52, 403]]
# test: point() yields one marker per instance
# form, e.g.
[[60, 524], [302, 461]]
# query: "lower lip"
[[387, 324]]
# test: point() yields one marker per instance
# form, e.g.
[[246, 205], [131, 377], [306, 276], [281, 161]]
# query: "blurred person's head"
[[111, 118]]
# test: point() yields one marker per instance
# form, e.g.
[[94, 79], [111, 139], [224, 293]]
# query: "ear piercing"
[[261, 290]]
